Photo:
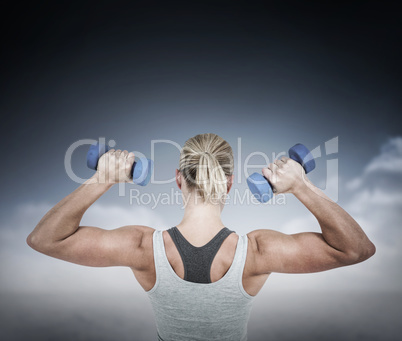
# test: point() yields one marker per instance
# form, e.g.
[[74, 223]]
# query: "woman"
[[200, 276]]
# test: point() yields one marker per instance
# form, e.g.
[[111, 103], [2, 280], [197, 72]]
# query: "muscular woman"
[[200, 276]]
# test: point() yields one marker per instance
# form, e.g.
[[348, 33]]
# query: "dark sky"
[[73, 70], [270, 73]]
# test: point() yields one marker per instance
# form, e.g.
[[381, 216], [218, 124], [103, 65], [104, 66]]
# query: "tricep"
[[296, 253], [93, 246]]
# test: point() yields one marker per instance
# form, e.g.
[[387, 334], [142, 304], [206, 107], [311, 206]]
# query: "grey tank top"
[[186, 311], [197, 261]]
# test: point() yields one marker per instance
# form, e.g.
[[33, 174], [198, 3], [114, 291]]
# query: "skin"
[[342, 241]]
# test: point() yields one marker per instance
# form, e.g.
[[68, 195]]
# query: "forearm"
[[64, 218], [339, 229]]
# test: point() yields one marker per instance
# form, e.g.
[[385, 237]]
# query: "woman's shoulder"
[[143, 235]]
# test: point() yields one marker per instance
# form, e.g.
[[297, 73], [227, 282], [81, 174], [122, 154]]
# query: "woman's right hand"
[[285, 175]]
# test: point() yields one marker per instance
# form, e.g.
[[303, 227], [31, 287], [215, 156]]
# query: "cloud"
[[384, 168], [376, 196], [390, 158], [114, 216]]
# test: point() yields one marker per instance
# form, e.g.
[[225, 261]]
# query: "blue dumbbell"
[[141, 171], [262, 189]]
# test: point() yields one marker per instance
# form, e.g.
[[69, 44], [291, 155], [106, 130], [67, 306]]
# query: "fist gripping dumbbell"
[[262, 189], [141, 171]]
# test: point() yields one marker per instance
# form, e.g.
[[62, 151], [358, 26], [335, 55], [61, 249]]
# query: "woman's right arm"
[[341, 241]]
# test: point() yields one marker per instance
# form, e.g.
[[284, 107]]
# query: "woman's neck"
[[201, 220]]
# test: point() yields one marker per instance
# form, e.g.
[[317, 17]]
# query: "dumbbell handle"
[[141, 171], [262, 189]]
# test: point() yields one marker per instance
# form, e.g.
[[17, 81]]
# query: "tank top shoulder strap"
[[160, 260], [239, 263]]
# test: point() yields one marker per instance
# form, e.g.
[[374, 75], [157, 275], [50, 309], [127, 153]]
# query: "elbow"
[[361, 254], [35, 242], [32, 241], [371, 249], [367, 252]]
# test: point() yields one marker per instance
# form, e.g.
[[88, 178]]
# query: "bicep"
[[305, 252], [96, 247]]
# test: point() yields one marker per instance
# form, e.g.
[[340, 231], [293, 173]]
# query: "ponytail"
[[206, 161]]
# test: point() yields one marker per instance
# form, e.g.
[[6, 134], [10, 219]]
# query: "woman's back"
[[146, 274], [201, 311]]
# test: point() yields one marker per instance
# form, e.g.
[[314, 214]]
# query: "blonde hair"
[[206, 160]]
